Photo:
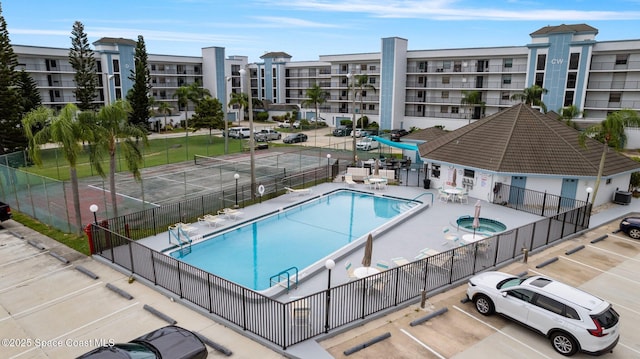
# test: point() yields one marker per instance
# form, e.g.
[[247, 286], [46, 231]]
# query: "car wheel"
[[484, 305], [564, 343], [634, 233]]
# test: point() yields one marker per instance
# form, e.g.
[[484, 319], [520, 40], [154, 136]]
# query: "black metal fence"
[[540, 203], [285, 324]]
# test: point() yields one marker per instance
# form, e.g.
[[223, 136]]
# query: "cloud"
[[453, 10]]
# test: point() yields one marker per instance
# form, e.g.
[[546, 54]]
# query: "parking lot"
[[50, 309], [606, 268]]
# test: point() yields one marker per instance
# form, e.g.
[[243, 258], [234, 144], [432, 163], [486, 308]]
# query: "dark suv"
[[396, 134], [342, 131]]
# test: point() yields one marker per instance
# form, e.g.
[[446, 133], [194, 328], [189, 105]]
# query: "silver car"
[[573, 320]]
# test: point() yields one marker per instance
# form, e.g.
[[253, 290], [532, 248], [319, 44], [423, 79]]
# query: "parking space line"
[[501, 332], [600, 270], [22, 259], [423, 344], [26, 311], [33, 279], [79, 328], [630, 348], [614, 253], [626, 239]]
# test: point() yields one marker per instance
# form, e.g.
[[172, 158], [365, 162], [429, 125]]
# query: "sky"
[[307, 29]]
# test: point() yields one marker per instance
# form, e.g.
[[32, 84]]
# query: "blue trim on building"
[[387, 83]]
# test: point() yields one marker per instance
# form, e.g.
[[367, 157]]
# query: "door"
[[516, 194], [568, 192]]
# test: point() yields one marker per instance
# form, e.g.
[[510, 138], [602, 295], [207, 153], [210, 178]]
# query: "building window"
[[571, 79], [444, 109], [372, 107], [116, 65], [540, 79], [153, 67], [507, 63], [455, 109], [469, 173], [372, 80], [542, 60], [344, 68], [363, 94], [435, 171], [421, 79], [419, 108], [568, 98], [622, 59], [615, 96], [444, 94], [422, 66], [446, 65], [372, 67], [574, 59], [506, 80], [504, 95], [446, 79]]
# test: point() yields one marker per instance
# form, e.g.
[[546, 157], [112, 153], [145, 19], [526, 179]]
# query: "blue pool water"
[[297, 237]]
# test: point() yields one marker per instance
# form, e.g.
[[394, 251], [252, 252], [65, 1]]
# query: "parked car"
[[573, 320], [367, 144], [631, 226], [342, 131], [320, 120], [5, 212], [267, 134], [239, 132], [397, 133], [170, 342], [296, 137]]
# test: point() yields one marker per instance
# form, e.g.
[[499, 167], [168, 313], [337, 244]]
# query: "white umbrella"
[[476, 218]]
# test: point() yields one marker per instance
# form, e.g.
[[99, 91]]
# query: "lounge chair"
[[230, 213], [212, 220], [399, 261], [348, 179], [298, 191]]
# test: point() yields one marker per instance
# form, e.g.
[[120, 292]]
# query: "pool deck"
[[405, 239]]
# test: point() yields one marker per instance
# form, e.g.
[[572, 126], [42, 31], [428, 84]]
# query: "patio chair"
[[463, 197], [443, 196], [382, 265], [230, 213], [348, 179], [212, 220], [349, 268], [368, 183]]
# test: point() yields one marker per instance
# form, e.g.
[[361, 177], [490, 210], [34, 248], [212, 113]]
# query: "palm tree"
[[362, 83], [183, 93], [473, 99], [164, 109], [114, 131], [568, 113], [240, 99], [611, 133], [315, 96], [68, 132], [532, 96]]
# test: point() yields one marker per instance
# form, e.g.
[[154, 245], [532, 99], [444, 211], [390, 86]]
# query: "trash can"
[[426, 183]]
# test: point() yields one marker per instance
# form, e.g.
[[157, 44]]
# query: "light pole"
[[329, 264], [226, 122], [252, 163], [236, 176], [589, 191], [94, 208], [328, 165], [352, 77]]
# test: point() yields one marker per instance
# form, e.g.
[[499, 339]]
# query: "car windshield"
[[137, 351], [510, 282]]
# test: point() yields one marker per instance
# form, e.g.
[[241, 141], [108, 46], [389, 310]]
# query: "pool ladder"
[[285, 274], [185, 244]]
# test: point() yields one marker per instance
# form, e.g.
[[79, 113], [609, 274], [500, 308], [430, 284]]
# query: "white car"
[[367, 144], [573, 320]]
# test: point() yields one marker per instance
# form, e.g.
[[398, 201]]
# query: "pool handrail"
[[424, 194], [279, 275]]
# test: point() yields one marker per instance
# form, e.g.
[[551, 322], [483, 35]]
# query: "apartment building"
[[405, 88]]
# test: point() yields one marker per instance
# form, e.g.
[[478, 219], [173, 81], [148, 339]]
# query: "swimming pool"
[[296, 237]]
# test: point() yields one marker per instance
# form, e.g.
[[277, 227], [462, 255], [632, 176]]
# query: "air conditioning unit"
[[622, 197]]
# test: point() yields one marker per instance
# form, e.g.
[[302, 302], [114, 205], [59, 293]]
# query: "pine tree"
[[138, 97], [12, 138], [31, 98], [84, 64]]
